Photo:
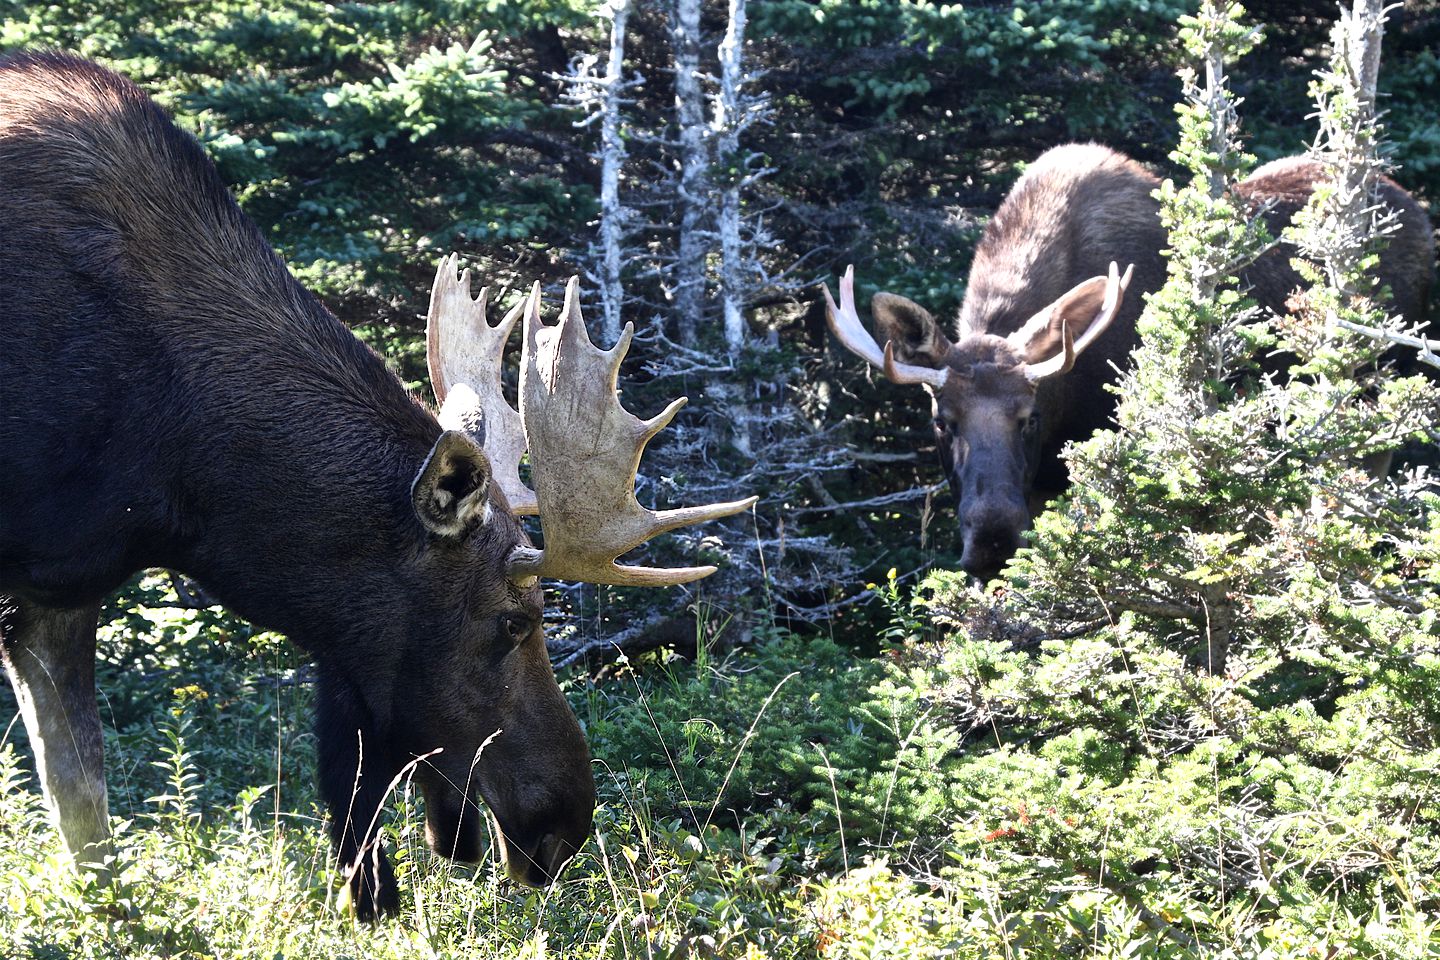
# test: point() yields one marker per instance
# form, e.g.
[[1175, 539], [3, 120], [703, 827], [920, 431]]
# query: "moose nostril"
[[542, 863], [987, 548], [554, 853]]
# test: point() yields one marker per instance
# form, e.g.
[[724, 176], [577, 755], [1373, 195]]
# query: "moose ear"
[[917, 338], [1083, 312], [452, 490]]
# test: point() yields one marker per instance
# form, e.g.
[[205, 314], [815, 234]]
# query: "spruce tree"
[[1219, 663]]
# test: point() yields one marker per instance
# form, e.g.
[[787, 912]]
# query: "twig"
[[1429, 350], [189, 595], [915, 493]]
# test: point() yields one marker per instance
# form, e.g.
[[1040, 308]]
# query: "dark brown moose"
[[1048, 318], [170, 396]]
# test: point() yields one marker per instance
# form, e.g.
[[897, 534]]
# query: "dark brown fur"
[[1407, 265], [170, 396], [1078, 208]]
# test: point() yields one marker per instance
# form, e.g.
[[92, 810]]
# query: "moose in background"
[[1047, 318], [171, 397]]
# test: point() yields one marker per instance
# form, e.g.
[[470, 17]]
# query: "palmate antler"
[[464, 354], [584, 452], [584, 447]]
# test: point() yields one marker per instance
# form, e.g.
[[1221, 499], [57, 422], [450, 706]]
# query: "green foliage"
[[989, 799], [995, 792], [1202, 718], [801, 728], [935, 48], [366, 139]]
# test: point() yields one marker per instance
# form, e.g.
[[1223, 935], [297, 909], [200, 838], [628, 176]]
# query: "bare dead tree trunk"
[[684, 225], [688, 292], [728, 123], [612, 161], [602, 97], [1366, 28]]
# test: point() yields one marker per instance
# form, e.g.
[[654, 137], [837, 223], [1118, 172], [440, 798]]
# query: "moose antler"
[[1115, 286], [848, 329], [584, 451], [464, 354]]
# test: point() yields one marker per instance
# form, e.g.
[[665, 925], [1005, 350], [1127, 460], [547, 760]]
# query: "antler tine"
[[440, 288], [844, 322], [1114, 291], [907, 373], [585, 449], [464, 354], [1115, 286], [667, 520], [1060, 363]]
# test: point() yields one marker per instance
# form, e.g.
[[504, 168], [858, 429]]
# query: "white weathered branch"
[[1429, 350], [612, 161], [692, 188], [884, 500]]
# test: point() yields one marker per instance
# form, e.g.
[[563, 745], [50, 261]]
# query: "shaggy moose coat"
[[171, 397]]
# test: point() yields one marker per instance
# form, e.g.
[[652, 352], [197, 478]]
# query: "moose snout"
[[537, 847], [991, 536], [539, 865]]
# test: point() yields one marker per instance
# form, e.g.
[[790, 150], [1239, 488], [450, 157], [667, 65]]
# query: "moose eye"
[[1028, 423], [515, 626], [939, 424]]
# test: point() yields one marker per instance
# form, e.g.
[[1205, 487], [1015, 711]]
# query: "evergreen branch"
[[1155, 608], [1127, 894]]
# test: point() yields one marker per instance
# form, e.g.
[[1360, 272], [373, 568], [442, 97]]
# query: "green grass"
[[791, 800]]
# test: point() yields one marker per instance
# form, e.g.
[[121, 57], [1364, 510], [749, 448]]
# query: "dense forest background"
[[807, 754], [370, 140]]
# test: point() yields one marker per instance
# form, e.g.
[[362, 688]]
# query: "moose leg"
[[355, 775], [50, 657]]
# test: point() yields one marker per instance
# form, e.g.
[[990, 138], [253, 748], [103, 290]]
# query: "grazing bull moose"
[[1047, 318], [171, 396]]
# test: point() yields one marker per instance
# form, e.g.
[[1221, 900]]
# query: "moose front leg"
[[50, 657], [355, 776]]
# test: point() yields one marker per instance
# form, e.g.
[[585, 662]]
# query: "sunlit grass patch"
[[961, 799], [235, 882]]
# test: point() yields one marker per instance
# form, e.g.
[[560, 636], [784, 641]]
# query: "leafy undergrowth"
[[789, 800]]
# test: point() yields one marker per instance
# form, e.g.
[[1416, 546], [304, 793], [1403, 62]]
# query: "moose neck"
[[301, 502], [303, 497], [243, 434]]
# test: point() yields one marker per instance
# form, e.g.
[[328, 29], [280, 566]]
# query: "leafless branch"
[[904, 496]]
